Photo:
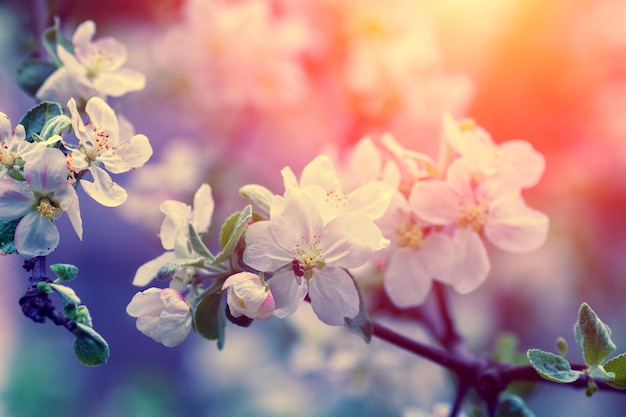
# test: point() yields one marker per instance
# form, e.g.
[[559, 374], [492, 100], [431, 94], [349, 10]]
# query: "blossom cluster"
[[48, 154], [381, 209]]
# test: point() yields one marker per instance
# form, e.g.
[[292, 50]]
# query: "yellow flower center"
[[308, 256], [472, 215], [47, 208], [410, 235]]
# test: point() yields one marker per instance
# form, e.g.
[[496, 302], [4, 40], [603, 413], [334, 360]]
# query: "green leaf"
[[168, 270], [198, 245], [52, 37], [7, 235], [209, 318], [360, 325], [79, 314], [260, 195], [36, 118], [593, 336], [599, 372], [552, 367], [231, 232], [66, 293], [617, 365], [90, 348], [44, 287], [65, 272], [32, 73], [514, 406], [55, 126]]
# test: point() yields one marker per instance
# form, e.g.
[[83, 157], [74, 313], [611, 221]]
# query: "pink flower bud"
[[249, 296]]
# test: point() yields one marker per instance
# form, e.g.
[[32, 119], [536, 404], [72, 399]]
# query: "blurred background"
[[239, 89]]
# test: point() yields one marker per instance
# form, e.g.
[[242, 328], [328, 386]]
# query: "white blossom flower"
[[319, 180], [162, 314], [14, 148], [174, 231], [249, 296], [100, 143], [309, 256], [39, 200], [93, 69]]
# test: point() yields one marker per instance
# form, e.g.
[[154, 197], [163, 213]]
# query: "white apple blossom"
[[14, 148], [319, 180], [162, 314], [100, 143], [248, 295], [309, 256], [174, 232], [38, 201], [93, 68]]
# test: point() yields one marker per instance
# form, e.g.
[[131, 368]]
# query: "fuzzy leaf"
[[168, 270], [36, 118], [198, 245], [260, 195], [209, 318], [65, 272], [514, 406], [90, 348], [55, 126], [231, 232], [79, 314], [617, 366], [66, 293], [593, 336], [32, 73], [552, 367], [52, 37], [7, 235]]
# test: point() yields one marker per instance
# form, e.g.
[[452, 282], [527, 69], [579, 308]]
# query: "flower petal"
[[203, 206], [46, 170], [16, 199], [36, 236], [350, 240], [513, 226], [128, 155], [472, 266], [103, 189], [146, 303], [288, 294], [119, 82], [407, 279], [177, 215], [147, 272], [262, 252], [333, 296], [434, 201]]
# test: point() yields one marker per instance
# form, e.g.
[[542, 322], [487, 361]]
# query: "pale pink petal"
[[294, 218], [407, 279], [434, 201], [321, 172], [203, 206], [177, 216], [288, 294], [371, 199], [262, 252], [472, 266], [103, 118], [515, 227], [46, 170], [521, 163], [438, 253], [350, 240], [289, 178], [333, 296]]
